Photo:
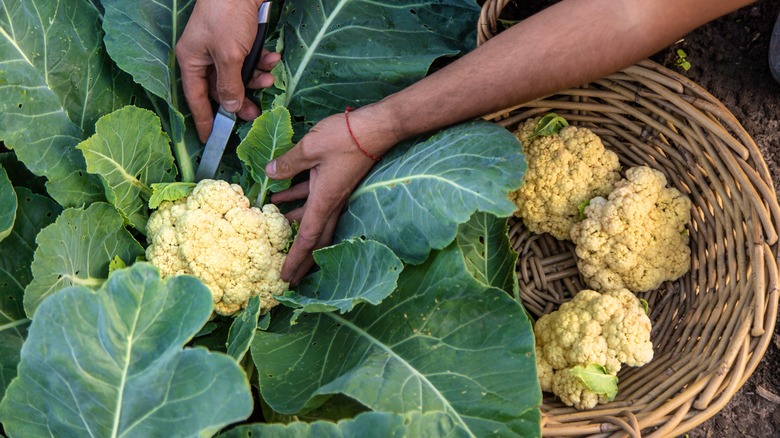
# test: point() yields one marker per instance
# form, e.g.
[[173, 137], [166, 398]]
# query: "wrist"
[[376, 129]]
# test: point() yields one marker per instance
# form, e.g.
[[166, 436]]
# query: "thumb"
[[289, 164]]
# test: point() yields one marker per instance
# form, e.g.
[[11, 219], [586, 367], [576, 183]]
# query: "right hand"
[[211, 52]]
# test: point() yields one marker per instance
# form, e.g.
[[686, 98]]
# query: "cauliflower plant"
[[214, 235], [564, 171], [592, 330], [637, 238]]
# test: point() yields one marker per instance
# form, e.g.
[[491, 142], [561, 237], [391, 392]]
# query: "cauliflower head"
[[607, 329], [214, 235], [564, 170], [636, 238]]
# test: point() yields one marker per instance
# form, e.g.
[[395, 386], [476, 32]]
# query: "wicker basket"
[[712, 326]]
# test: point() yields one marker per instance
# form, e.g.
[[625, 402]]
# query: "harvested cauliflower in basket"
[[565, 169], [581, 346], [214, 235], [637, 237]]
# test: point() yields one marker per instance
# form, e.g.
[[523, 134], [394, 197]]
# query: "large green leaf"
[[112, 364], [16, 251], [351, 272], [441, 342], [488, 252], [341, 53], [129, 152], [379, 424], [12, 335], [270, 136], [141, 37], [56, 81], [77, 250], [414, 201], [8, 205]]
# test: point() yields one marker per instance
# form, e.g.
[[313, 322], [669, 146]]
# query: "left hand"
[[336, 166]]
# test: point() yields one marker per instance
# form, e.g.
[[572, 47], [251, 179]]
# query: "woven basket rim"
[[728, 303]]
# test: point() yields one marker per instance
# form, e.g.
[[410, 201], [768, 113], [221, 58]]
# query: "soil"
[[729, 58]]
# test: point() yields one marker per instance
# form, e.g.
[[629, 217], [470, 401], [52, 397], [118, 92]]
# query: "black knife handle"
[[257, 47]]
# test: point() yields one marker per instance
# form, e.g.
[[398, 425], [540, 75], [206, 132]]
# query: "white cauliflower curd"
[[214, 235]]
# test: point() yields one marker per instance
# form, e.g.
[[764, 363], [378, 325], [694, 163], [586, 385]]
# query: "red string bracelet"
[[349, 128]]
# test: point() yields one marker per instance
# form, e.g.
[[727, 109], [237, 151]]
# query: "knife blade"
[[224, 121]]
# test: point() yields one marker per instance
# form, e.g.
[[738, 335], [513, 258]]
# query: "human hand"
[[336, 165], [211, 52]]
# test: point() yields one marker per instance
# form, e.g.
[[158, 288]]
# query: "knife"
[[224, 121]]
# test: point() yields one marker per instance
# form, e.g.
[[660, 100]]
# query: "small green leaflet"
[[120, 366], [645, 305], [243, 329], [270, 136], [129, 151], [378, 424], [351, 272], [116, 263], [76, 250], [8, 203], [487, 251], [173, 191], [581, 209], [549, 124], [596, 378]]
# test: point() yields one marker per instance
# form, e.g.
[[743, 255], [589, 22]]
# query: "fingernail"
[[270, 169], [231, 105]]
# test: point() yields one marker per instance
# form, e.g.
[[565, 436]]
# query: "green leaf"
[[169, 192], [581, 209], [76, 250], [488, 252], [550, 124], [442, 342], [384, 424], [12, 336], [597, 379], [141, 37], [16, 252], [243, 329], [120, 366], [341, 53], [56, 82], [129, 152], [9, 203], [413, 201], [20, 176], [352, 272], [645, 305], [116, 263], [270, 136]]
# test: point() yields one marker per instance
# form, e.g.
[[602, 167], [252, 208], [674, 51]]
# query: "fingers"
[[195, 84], [294, 193], [295, 161], [317, 228], [230, 88]]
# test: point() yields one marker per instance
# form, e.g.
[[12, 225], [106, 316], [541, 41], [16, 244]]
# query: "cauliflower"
[[593, 329], [564, 171], [636, 239], [214, 235]]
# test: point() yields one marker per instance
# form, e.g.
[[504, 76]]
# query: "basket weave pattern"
[[712, 326]]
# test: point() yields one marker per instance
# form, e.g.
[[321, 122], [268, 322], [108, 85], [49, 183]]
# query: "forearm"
[[568, 44]]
